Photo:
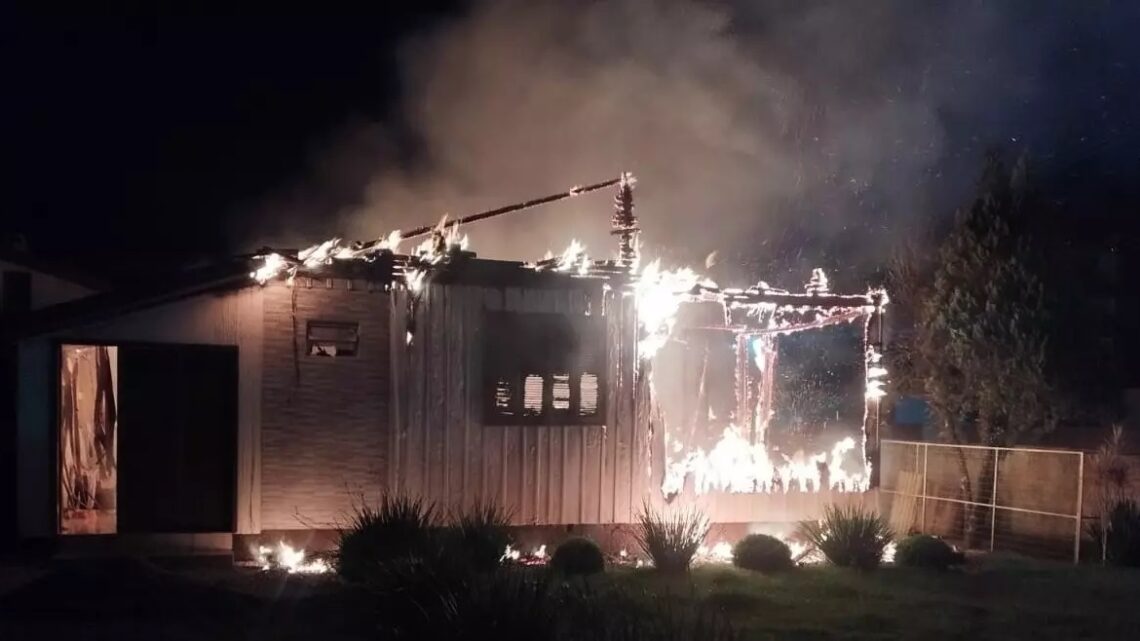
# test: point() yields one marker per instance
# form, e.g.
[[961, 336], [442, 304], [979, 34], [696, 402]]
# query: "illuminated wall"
[[88, 435]]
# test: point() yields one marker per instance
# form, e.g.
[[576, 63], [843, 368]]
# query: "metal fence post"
[[925, 458], [993, 500], [1080, 507]]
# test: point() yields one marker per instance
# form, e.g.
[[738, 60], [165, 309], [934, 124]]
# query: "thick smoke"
[[782, 134]]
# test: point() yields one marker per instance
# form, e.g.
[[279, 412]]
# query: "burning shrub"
[[479, 535], [1120, 540], [762, 553], [848, 537], [925, 551], [578, 555], [399, 529], [671, 540]]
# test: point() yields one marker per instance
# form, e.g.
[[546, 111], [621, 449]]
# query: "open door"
[[177, 449]]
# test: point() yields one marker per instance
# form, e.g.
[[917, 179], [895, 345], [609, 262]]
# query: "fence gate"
[[986, 498]]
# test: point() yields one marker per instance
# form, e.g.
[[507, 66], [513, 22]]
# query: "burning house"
[[261, 402]]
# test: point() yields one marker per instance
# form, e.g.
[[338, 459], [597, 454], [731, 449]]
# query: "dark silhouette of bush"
[[1121, 539], [398, 530], [762, 553], [576, 556], [925, 551]]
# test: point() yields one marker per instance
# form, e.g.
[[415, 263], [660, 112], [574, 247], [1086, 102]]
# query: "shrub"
[[762, 553], [398, 530], [848, 537], [925, 551], [671, 540], [578, 556], [1121, 539], [479, 535]]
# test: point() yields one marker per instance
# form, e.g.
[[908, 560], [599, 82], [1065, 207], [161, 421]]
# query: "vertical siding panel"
[[492, 464], [571, 474], [471, 345], [447, 387], [503, 473], [553, 488], [436, 394], [541, 467], [590, 467], [426, 375], [458, 344], [605, 454], [413, 439], [623, 473], [526, 468], [424, 399], [643, 425], [396, 369]]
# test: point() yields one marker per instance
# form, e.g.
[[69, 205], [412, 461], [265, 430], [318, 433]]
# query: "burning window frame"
[[520, 348]]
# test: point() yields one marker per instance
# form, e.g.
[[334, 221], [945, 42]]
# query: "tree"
[[979, 351]]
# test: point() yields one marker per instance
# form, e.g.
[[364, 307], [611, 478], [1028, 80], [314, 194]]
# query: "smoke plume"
[[780, 134]]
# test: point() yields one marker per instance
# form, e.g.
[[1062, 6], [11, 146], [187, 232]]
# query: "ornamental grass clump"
[[671, 539], [848, 537], [397, 530], [479, 534]]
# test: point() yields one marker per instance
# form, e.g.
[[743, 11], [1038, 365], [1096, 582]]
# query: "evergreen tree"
[[979, 353]]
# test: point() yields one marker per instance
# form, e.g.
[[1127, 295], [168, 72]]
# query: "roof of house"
[[235, 274], [128, 299], [39, 264]]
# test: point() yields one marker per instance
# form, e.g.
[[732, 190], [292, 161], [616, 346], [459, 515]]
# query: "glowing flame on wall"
[[659, 294]]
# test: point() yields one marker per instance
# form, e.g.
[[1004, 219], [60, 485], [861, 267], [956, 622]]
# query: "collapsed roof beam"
[[575, 191]]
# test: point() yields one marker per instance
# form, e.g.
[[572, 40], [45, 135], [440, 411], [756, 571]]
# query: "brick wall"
[[324, 420]]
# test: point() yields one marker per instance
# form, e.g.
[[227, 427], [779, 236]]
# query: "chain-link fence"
[[986, 498]]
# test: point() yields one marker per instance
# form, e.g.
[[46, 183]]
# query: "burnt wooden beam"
[[424, 230]]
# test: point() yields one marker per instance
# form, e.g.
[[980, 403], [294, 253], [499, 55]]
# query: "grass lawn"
[[995, 598]]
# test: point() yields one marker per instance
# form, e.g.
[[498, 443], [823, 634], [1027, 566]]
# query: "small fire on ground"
[[292, 560]]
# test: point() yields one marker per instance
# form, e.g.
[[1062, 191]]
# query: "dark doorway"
[[178, 438]]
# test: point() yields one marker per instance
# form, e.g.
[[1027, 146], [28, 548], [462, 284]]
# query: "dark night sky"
[[182, 137], [145, 133]]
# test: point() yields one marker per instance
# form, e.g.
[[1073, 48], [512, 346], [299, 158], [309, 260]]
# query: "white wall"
[[46, 290], [231, 318]]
